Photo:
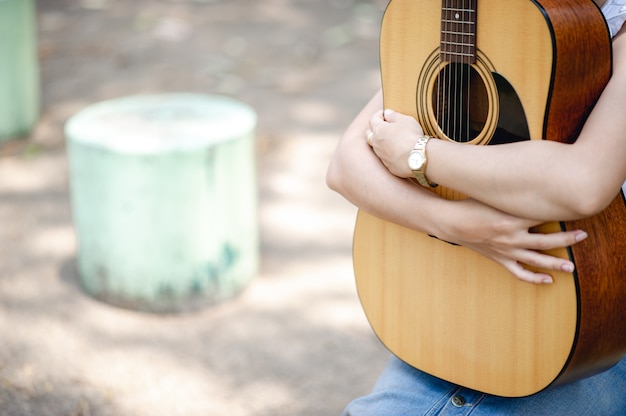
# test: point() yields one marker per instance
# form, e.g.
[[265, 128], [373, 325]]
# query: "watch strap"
[[420, 174]]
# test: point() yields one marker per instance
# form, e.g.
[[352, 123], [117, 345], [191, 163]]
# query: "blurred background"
[[295, 341]]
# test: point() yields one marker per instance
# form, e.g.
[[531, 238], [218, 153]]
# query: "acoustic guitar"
[[488, 72]]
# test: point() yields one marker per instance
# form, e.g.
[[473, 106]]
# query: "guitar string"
[[442, 85], [450, 68], [454, 75], [455, 78], [463, 70], [442, 82], [465, 78], [459, 79], [438, 80], [438, 115], [446, 74], [466, 41], [457, 70]]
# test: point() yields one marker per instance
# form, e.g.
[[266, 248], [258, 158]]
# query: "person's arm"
[[539, 179], [359, 175]]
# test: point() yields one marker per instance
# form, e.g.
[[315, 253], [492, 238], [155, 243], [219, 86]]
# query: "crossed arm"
[[495, 222]]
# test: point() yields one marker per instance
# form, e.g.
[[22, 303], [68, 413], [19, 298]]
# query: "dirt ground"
[[296, 341]]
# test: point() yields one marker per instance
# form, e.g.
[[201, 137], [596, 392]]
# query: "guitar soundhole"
[[460, 102]]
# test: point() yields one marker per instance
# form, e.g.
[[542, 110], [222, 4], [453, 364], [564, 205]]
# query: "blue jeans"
[[402, 390]]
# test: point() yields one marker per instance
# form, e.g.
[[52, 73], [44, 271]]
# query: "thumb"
[[390, 115]]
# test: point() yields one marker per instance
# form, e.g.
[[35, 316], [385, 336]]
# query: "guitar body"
[[538, 68]]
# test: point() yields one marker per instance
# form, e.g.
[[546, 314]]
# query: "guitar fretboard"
[[458, 31]]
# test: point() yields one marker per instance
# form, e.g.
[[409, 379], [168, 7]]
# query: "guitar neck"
[[458, 31]]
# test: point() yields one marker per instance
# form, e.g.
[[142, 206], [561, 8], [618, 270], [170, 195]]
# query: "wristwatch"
[[417, 162]]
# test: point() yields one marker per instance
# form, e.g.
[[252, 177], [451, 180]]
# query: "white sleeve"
[[615, 14]]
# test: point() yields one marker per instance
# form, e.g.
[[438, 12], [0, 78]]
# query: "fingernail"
[[547, 280], [388, 112], [581, 236], [568, 267]]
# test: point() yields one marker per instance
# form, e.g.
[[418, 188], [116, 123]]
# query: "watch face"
[[416, 160]]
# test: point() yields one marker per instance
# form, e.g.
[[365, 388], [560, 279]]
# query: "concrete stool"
[[19, 69], [164, 200]]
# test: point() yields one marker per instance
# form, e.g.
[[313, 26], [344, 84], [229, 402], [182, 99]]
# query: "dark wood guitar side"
[[535, 68]]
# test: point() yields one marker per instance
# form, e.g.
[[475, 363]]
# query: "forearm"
[[374, 190], [530, 179], [538, 179], [358, 174], [544, 180]]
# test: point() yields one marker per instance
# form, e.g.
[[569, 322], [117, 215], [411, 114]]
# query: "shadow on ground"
[[295, 342]]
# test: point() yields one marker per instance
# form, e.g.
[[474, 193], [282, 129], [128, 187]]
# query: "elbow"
[[341, 165], [585, 209], [334, 176], [591, 202], [586, 191]]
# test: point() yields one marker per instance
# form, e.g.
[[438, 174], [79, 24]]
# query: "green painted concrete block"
[[19, 69], [164, 200]]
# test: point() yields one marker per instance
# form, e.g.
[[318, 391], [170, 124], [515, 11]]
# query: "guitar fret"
[[458, 9], [457, 43], [458, 54], [450, 32], [458, 22]]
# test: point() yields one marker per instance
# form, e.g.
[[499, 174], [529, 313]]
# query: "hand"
[[392, 137], [506, 239]]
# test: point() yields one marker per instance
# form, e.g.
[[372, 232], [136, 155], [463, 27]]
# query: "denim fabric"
[[402, 390]]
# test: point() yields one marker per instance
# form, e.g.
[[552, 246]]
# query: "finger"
[[392, 116], [544, 261], [376, 120], [369, 135], [527, 275], [389, 115], [538, 241]]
